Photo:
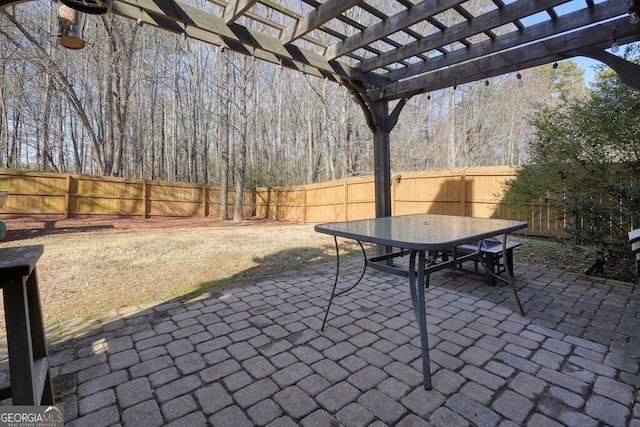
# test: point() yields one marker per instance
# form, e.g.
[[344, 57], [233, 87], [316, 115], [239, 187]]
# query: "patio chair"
[[634, 240], [490, 256]]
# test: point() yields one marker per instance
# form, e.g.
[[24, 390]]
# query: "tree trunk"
[[224, 139]]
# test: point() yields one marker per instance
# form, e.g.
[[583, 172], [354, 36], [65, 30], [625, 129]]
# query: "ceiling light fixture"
[[71, 23], [92, 7]]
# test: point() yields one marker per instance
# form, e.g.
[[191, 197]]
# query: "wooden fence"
[[471, 192], [73, 195]]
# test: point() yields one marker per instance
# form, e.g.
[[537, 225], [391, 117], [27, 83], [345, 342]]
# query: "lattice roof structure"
[[398, 48]]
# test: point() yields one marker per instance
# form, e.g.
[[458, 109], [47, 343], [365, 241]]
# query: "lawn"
[[82, 274]]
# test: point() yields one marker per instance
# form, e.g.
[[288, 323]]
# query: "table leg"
[[509, 271], [417, 285], [335, 282]]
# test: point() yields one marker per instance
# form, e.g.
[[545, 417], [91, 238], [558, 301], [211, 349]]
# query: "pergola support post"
[[381, 123], [382, 159]]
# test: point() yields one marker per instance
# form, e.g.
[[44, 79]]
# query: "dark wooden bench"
[[491, 255], [30, 378], [634, 240]]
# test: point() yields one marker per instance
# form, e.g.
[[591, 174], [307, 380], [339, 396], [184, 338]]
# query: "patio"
[[255, 355]]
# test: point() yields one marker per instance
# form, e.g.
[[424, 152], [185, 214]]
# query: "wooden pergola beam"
[[628, 71], [398, 22], [314, 19], [214, 30], [236, 9], [538, 53], [480, 24], [530, 34]]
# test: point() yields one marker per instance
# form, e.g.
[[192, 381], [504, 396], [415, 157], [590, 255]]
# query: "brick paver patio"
[[255, 355]]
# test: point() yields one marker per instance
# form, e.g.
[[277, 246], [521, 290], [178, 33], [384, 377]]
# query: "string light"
[[140, 22], [634, 18], [614, 44]]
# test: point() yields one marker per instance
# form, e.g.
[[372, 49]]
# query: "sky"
[[587, 64]]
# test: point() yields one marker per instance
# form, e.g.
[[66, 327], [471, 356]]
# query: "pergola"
[[386, 51]]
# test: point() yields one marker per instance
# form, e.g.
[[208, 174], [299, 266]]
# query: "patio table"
[[420, 236]]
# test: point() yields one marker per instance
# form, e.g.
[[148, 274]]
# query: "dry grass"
[[89, 273]]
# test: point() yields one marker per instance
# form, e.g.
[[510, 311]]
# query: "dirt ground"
[[23, 227]]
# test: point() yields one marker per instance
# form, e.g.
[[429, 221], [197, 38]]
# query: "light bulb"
[[614, 45]]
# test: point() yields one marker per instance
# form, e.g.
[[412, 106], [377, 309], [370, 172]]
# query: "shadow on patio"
[[254, 355]]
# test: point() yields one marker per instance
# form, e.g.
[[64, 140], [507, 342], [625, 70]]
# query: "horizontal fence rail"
[[470, 192]]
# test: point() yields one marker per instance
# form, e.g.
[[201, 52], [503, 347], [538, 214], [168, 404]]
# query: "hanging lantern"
[[92, 7], [71, 26]]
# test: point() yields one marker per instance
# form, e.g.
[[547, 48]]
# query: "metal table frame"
[[421, 237]]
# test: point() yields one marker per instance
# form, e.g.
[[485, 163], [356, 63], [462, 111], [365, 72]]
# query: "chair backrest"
[[634, 239]]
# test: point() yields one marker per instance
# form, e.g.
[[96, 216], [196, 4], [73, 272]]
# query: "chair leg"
[[491, 269], [509, 263]]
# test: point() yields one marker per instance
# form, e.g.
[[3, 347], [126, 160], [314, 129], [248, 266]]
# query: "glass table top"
[[421, 231]]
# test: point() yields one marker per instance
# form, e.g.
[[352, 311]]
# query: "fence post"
[[463, 194], [144, 198], [346, 200], [394, 185], [205, 201], [67, 198], [304, 204]]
